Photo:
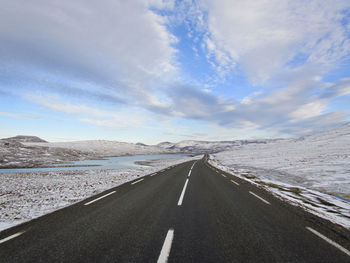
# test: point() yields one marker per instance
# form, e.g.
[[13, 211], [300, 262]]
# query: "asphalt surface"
[[204, 217]]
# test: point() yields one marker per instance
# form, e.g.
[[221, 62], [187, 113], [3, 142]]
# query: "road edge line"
[[261, 199], [137, 181], [11, 237], [234, 182], [343, 249], [93, 201]]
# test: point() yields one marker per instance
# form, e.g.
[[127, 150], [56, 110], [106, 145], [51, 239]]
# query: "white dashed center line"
[[137, 181], [189, 173], [182, 193], [347, 252], [11, 237], [262, 199], [234, 182], [223, 175], [93, 201], [164, 253]]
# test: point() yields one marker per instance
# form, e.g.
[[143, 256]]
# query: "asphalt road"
[[178, 216]]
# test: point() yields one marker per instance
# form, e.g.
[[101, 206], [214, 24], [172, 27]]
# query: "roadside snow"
[[312, 171], [24, 196]]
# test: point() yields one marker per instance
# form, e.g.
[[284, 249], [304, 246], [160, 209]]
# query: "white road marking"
[[234, 182], [189, 173], [152, 174], [137, 181], [193, 164], [11, 237], [93, 201], [347, 252], [164, 253], [223, 175], [262, 199], [182, 193]]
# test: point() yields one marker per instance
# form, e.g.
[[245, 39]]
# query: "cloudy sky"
[[152, 70]]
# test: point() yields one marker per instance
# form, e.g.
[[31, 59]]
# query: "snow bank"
[[24, 196]]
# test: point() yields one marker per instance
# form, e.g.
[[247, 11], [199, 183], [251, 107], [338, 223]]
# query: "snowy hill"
[[14, 154], [23, 138], [106, 148], [320, 161], [192, 146]]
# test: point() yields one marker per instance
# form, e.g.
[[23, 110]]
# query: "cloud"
[[265, 37], [18, 115], [55, 103], [116, 118], [119, 46], [338, 89], [190, 102], [284, 48]]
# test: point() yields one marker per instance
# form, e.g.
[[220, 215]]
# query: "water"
[[121, 162]]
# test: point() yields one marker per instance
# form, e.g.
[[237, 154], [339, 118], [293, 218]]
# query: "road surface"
[[188, 213]]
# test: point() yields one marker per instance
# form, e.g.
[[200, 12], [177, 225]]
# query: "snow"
[[192, 146], [311, 171], [105, 148], [24, 196], [24, 151]]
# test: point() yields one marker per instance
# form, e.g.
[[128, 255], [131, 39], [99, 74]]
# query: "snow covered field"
[[104, 148], [24, 196], [310, 171]]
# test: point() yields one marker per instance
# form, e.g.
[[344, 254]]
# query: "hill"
[[24, 138]]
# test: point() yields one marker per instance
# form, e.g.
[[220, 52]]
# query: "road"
[[188, 213]]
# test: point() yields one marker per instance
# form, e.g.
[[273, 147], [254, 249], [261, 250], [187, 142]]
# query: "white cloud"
[[248, 99], [267, 36], [18, 115], [120, 45], [309, 110], [342, 88], [125, 117], [54, 102]]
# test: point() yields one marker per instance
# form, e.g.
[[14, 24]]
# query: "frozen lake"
[[120, 162]]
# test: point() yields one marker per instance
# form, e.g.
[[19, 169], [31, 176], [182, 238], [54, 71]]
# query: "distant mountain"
[[24, 138], [141, 144], [192, 146], [16, 153], [165, 145], [106, 148]]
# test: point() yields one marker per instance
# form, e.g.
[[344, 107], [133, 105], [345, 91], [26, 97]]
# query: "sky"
[[151, 70]]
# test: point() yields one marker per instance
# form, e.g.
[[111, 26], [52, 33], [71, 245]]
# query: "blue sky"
[[151, 71]]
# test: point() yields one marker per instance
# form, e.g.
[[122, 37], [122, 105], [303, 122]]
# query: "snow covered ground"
[[192, 146], [104, 148], [24, 196], [14, 154], [312, 171]]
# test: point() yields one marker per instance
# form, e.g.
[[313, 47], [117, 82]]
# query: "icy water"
[[120, 162]]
